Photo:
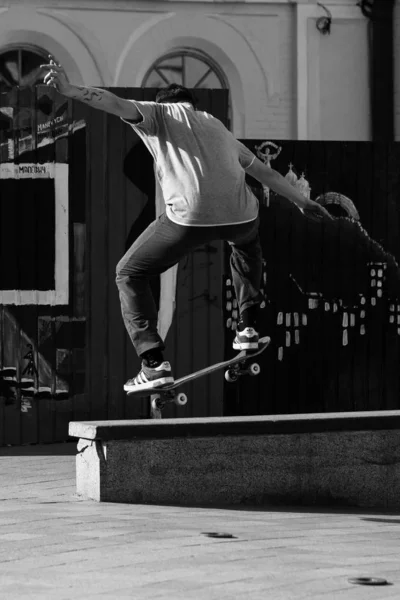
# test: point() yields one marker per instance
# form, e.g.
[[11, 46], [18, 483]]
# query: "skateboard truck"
[[159, 400], [233, 373]]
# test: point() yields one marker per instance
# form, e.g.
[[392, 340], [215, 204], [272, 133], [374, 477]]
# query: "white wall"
[[341, 82], [334, 95], [397, 70], [256, 44]]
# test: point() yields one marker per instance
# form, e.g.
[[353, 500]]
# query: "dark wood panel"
[[137, 176], [382, 69], [342, 277], [12, 412], [116, 226], [80, 350], [199, 312], [215, 350], [98, 261], [45, 412], [2, 420], [180, 340], [189, 344], [80, 190], [39, 340]]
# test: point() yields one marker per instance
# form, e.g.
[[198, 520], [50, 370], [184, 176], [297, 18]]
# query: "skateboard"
[[239, 365]]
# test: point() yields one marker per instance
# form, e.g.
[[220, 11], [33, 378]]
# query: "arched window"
[[20, 66], [188, 67]]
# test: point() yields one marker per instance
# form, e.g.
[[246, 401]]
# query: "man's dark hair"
[[175, 93]]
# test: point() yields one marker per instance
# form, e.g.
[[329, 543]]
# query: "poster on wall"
[[42, 247], [34, 233], [35, 121]]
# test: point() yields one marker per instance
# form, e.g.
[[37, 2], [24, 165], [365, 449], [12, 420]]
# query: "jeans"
[[162, 245]]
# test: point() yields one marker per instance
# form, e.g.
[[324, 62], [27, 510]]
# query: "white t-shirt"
[[199, 165]]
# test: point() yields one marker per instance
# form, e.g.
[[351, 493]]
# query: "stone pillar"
[[382, 67]]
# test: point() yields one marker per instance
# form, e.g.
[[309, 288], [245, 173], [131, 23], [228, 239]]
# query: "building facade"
[[295, 69]]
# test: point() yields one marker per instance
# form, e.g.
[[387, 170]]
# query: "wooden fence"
[[333, 290], [76, 188]]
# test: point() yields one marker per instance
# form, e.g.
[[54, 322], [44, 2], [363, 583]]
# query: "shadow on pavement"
[[315, 509], [63, 449], [391, 521], [369, 514]]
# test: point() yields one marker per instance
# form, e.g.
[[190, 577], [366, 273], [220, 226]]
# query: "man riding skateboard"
[[200, 168]]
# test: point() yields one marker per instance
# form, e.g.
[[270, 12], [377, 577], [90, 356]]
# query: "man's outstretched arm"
[[280, 185], [95, 97]]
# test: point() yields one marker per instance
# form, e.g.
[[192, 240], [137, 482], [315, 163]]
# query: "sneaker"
[[246, 339], [150, 377]]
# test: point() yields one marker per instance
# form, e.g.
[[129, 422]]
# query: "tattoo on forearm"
[[90, 95], [95, 97]]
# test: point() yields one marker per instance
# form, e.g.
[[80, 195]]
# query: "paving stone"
[[54, 545]]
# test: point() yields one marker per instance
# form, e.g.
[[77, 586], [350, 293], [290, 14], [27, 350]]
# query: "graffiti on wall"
[[332, 289], [42, 320]]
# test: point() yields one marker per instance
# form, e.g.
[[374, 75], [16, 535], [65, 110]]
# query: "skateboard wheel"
[[254, 369], [181, 399], [230, 376]]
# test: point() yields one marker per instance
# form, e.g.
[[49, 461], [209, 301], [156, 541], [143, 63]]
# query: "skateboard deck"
[[239, 365]]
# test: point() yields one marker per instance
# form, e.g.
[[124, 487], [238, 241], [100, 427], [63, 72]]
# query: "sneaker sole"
[[163, 381], [245, 346]]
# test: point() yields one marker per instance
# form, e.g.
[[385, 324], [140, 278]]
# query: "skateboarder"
[[201, 169]]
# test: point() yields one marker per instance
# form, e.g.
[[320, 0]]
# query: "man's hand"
[[274, 180], [94, 97], [56, 77], [315, 211]]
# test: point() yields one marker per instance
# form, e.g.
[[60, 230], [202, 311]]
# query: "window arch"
[[20, 66], [188, 67]]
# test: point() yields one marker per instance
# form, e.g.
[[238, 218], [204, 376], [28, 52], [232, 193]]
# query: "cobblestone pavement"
[[55, 546]]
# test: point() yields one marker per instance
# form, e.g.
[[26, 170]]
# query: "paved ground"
[[57, 547]]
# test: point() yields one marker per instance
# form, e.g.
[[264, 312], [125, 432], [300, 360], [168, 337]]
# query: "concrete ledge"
[[336, 459]]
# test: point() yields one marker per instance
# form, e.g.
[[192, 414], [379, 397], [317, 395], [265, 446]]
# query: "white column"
[[302, 13], [396, 67], [313, 58]]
